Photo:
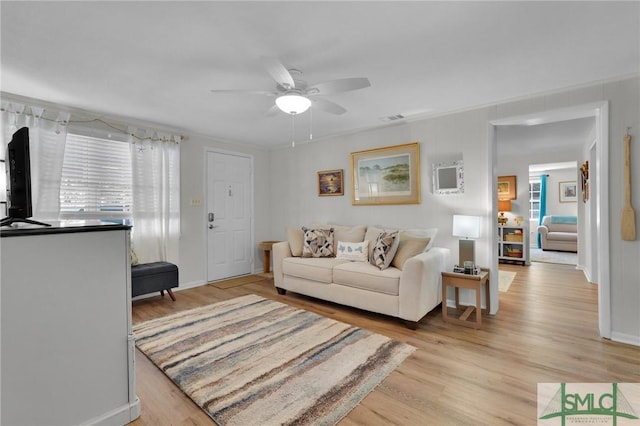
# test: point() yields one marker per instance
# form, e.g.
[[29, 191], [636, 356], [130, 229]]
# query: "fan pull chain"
[[293, 131], [311, 123]]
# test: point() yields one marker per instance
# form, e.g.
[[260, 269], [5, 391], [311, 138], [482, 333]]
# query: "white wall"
[[554, 206], [295, 201]]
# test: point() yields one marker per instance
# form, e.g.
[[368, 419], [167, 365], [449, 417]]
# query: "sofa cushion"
[[562, 236], [358, 252], [562, 228], [408, 247], [314, 269], [352, 234], [423, 233], [317, 242], [561, 223], [368, 277], [296, 241], [384, 249]]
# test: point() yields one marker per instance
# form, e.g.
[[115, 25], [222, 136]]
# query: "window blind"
[[96, 179]]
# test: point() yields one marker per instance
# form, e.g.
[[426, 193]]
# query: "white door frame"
[[600, 112], [205, 222]]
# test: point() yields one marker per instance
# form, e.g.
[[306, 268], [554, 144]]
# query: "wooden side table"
[[474, 282], [266, 247]]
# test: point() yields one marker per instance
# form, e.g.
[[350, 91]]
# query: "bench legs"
[[170, 294]]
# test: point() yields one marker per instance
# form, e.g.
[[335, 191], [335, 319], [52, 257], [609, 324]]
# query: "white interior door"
[[229, 209]]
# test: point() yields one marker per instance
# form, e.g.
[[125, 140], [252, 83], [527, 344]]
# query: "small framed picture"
[[568, 192], [330, 182], [507, 188]]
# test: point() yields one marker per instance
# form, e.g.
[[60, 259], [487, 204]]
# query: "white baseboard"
[[625, 338], [183, 286], [120, 415], [192, 284]]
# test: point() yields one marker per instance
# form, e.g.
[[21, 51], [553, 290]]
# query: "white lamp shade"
[[466, 226], [293, 104]]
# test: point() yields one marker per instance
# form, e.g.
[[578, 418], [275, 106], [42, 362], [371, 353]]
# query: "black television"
[[18, 170]]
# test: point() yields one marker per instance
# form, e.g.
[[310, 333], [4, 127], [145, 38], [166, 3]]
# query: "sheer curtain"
[[156, 196], [543, 204], [46, 142]]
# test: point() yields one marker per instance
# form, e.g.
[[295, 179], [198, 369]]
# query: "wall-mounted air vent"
[[393, 117]]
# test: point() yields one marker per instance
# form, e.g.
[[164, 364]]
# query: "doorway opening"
[[598, 228], [546, 201]]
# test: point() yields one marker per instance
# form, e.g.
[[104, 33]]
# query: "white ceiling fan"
[[294, 96]]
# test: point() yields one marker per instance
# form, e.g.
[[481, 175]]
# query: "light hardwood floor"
[[545, 331]]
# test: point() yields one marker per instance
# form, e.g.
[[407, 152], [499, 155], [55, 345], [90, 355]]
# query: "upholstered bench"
[[151, 277]]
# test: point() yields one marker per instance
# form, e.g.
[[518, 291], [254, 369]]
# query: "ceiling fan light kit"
[[294, 95], [293, 103]]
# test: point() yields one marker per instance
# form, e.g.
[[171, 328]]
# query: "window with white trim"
[[534, 197], [96, 179]]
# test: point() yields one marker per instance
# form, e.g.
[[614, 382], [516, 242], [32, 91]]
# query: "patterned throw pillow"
[[317, 242], [384, 249], [358, 252]]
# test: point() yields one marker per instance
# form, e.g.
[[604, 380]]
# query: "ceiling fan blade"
[[278, 72], [246, 92], [328, 106], [272, 111], [340, 85]]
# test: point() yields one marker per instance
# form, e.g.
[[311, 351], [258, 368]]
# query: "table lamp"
[[503, 206], [467, 228]]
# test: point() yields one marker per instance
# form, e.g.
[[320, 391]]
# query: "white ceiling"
[[157, 61]]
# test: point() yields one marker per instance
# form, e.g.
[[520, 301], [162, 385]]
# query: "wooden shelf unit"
[[512, 244]]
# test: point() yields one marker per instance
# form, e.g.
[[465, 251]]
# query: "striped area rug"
[[254, 361]]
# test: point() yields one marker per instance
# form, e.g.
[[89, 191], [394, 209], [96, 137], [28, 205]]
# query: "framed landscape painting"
[[568, 192], [389, 175], [330, 182], [507, 188]]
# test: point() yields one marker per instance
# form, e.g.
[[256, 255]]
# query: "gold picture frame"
[[568, 191], [330, 183], [507, 189], [389, 175]]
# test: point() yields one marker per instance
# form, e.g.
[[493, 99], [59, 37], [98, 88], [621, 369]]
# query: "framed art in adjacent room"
[[389, 175], [330, 182], [568, 192], [507, 189]]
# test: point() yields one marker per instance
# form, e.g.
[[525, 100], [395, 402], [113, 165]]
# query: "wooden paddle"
[[628, 219]]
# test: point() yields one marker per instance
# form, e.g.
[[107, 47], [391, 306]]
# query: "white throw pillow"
[[358, 252]]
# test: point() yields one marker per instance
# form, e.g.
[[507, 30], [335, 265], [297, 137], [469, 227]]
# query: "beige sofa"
[[559, 233], [408, 289]]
